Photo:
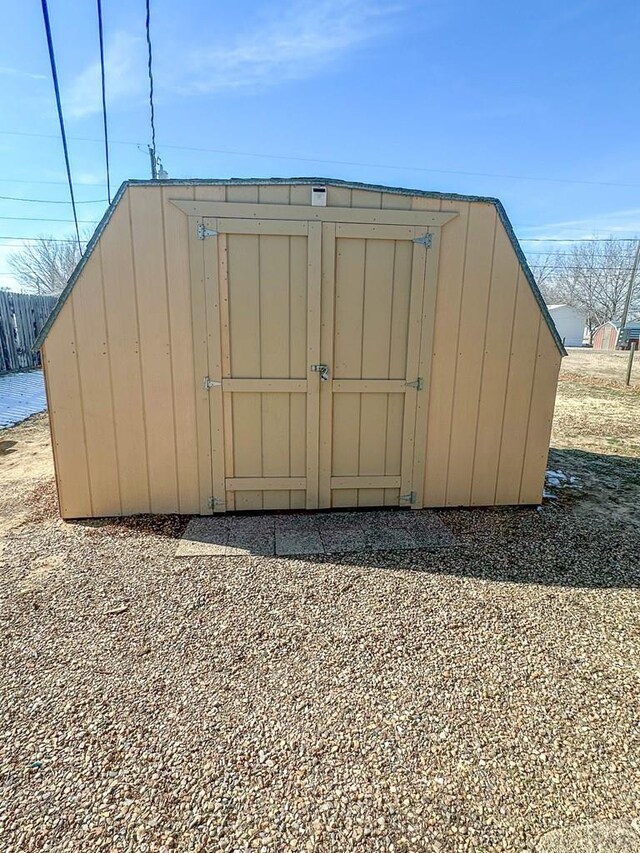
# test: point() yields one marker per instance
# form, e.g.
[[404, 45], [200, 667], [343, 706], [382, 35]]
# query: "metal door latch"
[[322, 369]]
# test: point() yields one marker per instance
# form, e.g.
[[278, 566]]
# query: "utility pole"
[[154, 165], [627, 301]]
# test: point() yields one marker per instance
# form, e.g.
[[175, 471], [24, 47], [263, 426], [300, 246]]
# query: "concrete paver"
[[296, 534]]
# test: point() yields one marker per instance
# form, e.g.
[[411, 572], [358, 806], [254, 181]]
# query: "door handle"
[[322, 369]]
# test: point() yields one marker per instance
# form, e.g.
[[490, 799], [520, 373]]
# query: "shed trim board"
[[240, 298], [245, 212]]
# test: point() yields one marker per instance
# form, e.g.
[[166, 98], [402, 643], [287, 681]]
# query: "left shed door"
[[262, 288]]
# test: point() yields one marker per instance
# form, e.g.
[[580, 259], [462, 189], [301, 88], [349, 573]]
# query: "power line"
[[41, 219], [576, 239], [31, 237], [104, 99], [33, 181], [404, 168], [50, 200], [554, 252], [577, 268], [54, 74], [152, 149]]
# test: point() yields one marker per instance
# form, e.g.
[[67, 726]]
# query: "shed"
[[605, 337], [298, 344], [570, 323], [629, 335]]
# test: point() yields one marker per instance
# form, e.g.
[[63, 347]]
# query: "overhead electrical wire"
[[50, 200], [54, 74], [154, 161], [41, 219], [104, 100], [577, 239], [263, 156], [31, 237], [34, 181]]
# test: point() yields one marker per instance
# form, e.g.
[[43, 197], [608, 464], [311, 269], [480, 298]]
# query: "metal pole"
[[154, 164], [632, 351], [627, 301]]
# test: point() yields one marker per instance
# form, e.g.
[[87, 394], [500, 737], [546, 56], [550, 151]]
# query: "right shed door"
[[373, 292]]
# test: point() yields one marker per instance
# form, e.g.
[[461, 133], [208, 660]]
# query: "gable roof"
[[333, 182]]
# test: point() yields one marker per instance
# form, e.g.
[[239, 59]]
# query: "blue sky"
[[535, 103]]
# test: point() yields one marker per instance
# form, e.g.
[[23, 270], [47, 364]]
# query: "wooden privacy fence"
[[22, 316]]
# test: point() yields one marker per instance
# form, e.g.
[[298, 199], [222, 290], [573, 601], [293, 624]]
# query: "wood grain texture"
[[155, 347], [65, 411], [176, 253], [472, 323], [444, 358], [495, 356], [334, 213], [121, 314], [534, 466], [517, 403], [96, 394]]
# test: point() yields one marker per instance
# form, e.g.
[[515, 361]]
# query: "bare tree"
[[44, 266], [543, 269], [592, 276]]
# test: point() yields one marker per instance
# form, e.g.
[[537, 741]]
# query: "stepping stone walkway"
[[292, 534]]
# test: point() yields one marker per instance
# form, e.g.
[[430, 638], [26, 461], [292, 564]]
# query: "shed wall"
[[123, 387]]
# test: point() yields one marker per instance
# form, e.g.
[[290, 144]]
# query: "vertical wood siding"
[[120, 369], [493, 374], [125, 359]]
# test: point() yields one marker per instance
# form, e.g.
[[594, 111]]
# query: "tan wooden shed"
[[299, 343]]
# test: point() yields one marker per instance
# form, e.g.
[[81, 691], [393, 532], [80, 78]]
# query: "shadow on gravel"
[[170, 526], [588, 539]]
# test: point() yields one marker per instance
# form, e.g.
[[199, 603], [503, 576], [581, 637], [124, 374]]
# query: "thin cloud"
[[6, 71], [304, 39], [301, 42], [125, 74], [621, 223]]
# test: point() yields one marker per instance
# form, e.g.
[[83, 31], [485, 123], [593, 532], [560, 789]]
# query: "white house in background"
[[570, 323]]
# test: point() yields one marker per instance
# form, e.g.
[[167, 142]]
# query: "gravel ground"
[[468, 700]]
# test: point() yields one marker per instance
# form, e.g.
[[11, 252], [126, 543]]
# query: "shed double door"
[[313, 352]]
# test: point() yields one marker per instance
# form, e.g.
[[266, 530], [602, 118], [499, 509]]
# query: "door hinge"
[[209, 383], [411, 497], [425, 240], [203, 232], [418, 384], [214, 502]]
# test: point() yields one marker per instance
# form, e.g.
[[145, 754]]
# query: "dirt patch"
[[595, 364], [25, 452]]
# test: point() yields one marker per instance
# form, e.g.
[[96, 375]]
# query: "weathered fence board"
[[22, 315]]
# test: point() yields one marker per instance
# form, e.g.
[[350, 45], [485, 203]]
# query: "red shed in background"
[[606, 336]]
